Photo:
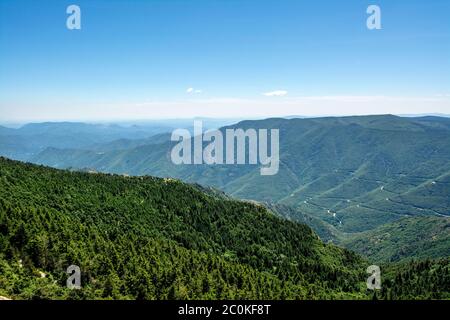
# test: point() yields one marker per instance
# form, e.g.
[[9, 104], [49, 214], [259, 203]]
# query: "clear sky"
[[222, 58]]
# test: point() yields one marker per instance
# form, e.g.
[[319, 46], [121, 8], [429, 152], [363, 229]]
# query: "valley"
[[351, 179]]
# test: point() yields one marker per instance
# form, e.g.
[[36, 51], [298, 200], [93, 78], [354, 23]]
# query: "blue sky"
[[138, 59]]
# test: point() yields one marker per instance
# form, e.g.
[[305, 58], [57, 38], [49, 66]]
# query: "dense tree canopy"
[[150, 238]]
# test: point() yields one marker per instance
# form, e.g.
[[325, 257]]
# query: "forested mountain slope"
[[407, 238], [152, 238]]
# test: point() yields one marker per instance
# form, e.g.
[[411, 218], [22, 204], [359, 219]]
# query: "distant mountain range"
[[30, 139], [341, 175]]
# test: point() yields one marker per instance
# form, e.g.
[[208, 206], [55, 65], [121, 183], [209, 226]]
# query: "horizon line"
[[5, 123]]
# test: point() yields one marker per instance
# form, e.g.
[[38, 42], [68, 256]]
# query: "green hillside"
[[324, 230], [418, 237], [405, 239], [426, 279], [154, 238], [151, 238]]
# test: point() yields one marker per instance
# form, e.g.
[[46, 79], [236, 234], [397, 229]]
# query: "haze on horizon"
[[221, 59]]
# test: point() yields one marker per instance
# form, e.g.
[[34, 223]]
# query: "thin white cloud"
[[276, 93], [193, 91]]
